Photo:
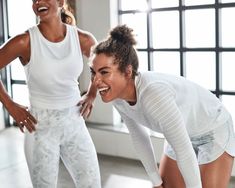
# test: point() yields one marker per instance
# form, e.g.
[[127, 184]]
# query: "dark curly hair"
[[120, 44]]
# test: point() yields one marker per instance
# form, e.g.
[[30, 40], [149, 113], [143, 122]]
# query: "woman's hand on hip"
[[86, 105], [22, 117]]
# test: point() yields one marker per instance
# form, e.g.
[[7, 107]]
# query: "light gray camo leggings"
[[61, 134]]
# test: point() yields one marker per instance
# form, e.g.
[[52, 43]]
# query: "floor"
[[115, 172]]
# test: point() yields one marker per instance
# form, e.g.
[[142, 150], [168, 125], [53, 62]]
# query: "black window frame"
[[218, 49], [5, 72]]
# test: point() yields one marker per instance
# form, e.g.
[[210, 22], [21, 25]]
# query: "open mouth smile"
[[103, 90], [42, 9]]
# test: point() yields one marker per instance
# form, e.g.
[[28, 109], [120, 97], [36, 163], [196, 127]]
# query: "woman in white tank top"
[[51, 53]]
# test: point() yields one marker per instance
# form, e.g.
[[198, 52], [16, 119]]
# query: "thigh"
[[79, 155], [45, 159], [217, 174], [64, 178], [28, 150], [170, 173]]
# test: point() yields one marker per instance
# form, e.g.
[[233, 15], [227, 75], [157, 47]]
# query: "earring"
[[62, 10]]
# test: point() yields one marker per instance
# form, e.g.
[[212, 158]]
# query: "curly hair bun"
[[123, 34]]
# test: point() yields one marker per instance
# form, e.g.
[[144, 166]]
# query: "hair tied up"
[[123, 34]]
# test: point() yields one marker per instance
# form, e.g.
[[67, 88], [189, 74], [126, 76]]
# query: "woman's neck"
[[54, 32], [131, 98]]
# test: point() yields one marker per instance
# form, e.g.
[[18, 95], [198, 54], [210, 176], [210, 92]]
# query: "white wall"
[[119, 144], [95, 16]]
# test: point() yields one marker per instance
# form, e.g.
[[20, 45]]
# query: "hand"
[[86, 105], [22, 117]]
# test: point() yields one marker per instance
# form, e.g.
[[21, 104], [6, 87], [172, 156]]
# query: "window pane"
[[24, 19], [164, 3], [200, 28], [229, 103], [198, 2], [143, 61], [165, 32], [200, 68], [134, 5], [20, 94], [17, 70], [228, 27], [167, 62], [228, 67], [139, 27]]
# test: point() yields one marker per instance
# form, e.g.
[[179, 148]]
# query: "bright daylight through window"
[[191, 38]]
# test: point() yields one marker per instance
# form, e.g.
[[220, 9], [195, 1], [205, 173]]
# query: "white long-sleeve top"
[[178, 109]]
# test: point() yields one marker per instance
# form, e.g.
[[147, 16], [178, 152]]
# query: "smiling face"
[[110, 82], [46, 9]]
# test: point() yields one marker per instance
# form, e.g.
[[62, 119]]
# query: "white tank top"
[[53, 70]]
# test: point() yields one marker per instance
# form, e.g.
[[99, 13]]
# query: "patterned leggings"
[[61, 134]]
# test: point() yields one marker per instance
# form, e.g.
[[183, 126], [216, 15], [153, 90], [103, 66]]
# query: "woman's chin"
[[105, 99]]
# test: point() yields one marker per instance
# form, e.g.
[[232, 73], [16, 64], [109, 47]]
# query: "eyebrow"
[[102, 68]]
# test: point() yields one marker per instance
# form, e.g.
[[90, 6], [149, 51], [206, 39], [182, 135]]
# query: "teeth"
[[102, 89], [42, 8]]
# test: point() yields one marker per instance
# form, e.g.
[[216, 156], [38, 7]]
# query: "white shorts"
[[210, 145]]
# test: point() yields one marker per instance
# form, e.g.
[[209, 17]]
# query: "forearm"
[[87, 101], [4, 97], [92, 90], [143, 147], [19, 113]]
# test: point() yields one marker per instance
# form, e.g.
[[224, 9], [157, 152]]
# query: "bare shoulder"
[[23, 41], [20, 40], [16, 47], [86, 36], [87, 40]]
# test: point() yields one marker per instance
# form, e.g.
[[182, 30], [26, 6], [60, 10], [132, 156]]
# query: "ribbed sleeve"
[[143, 146], [159, 105]]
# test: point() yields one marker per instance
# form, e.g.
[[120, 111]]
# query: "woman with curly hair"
[[200, 140]]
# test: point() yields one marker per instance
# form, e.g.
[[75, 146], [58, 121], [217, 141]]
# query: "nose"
[[96, 80]]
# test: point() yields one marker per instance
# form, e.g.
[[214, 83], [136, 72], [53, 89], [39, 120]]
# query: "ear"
[[61, 3], [129, 71]]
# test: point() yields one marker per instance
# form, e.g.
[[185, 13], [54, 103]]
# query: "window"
[[18, 22], [4, 117], [191, 38]]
